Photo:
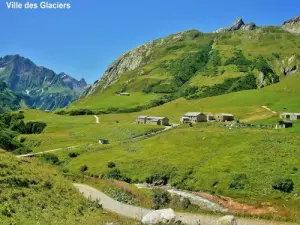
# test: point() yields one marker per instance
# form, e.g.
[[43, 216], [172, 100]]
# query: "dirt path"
[[97, 118], [145, 136], [40, 153], [134, 212], [265, 107]]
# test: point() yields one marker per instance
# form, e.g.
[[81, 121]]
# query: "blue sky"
[[84, 40]]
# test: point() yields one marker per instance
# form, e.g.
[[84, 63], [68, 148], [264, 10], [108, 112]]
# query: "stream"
[[195, 199]]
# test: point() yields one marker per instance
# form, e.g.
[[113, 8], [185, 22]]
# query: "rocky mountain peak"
[[73, 83], [238, 25], [47, 89], [295, 20]]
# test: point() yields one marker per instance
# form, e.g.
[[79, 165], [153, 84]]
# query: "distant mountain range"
[[38, 86]]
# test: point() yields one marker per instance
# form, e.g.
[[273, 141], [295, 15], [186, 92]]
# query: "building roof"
[[288, 113], [193, 114], [142, 117], [225, 114], [155, 118]]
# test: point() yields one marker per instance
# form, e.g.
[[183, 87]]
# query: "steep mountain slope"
[[193, 65], [8, 99], [292, 25], [42, 88]]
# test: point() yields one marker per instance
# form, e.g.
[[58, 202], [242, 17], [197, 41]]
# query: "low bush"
[[81, 112], [73, 154], [121, 195], [111, 165], [160, 198], [180, 203], [158, 178], [84, 168], [239, 182], [115, 174], [50, 158], [283, 185], [35, 127]]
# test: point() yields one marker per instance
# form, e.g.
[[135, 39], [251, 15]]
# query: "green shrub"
[[239, 182], [22, 150], [35, 127], [111, 165], [158, 178], [283, 185], [51, 158], [238, 59], [160, 198], [185, 68], [84, 168], [180, 203], [73, 154], [121, 195], [80, 112], [115, 174], [61, 112]]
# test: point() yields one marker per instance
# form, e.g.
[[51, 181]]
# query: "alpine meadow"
[[192, 128]]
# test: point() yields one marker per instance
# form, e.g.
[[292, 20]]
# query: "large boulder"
[[249, 26], [226, 220], [159, 216]]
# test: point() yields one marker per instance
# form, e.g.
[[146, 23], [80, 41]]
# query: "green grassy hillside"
[[32, 193], [243, 163], [82, 131], [194, 65]]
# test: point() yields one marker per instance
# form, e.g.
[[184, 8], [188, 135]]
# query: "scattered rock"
[[295, 20], [159, 216], [226, 220], [249, 26]]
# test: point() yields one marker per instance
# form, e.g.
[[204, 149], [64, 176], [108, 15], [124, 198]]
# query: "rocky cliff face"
[[125, 63], [292, 25], [238, 25], [40, 86], [295, 20]]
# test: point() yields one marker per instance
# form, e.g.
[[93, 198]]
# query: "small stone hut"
[[224, 117], [290, 116], [284, 124], [155, 120], [193, 117]]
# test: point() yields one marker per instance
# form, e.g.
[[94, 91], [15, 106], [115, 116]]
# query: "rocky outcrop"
[[292, 25], [125, 63], [42, 87], [249, 26], [295, 20], [72, 83], [238, 25], [290, 65], [226, 220], [165, 216]]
